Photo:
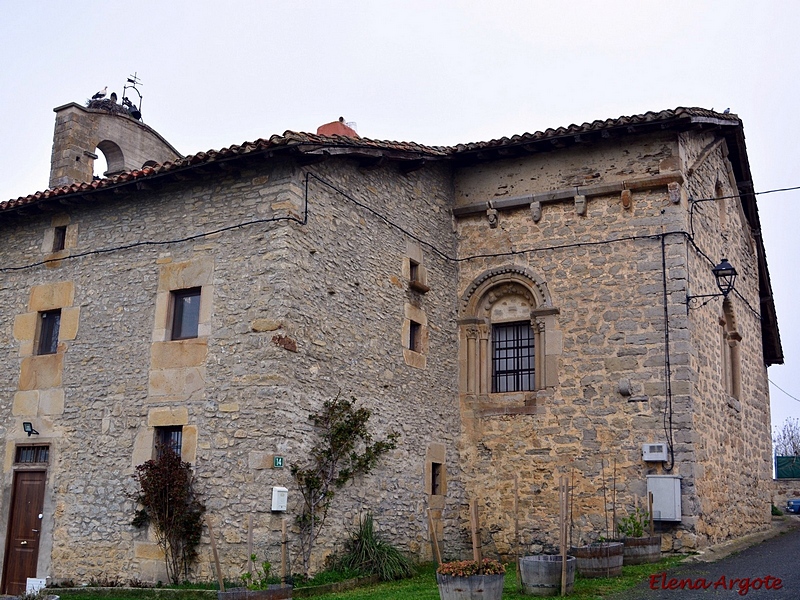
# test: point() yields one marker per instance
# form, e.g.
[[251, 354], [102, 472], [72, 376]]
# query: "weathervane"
[[131, 83]]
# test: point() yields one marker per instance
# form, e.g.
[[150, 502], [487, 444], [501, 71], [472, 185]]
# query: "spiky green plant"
[[366, 553]]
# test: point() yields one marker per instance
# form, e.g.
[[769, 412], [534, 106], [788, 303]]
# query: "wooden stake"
[[476, 543], [571, 505], [432, 525], [250, 544], [516, 529], [562, 500], [614, 499], [284, 544], [216, 556]]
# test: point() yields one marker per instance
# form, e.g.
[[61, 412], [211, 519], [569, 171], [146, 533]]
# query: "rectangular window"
[[32, 454], [169, 438], [513, 362], [185, 313], [413, 270], [415, 336], [416, 277], [49, 324], [436, 479], [59, 238]]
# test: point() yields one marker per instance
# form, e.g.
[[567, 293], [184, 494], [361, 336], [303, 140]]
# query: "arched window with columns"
[[509, 339]]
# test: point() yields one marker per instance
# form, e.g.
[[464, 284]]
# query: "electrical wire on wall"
[[667, 367], [308, 176]]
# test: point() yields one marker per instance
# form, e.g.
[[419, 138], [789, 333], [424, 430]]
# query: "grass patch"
[[422, 586]]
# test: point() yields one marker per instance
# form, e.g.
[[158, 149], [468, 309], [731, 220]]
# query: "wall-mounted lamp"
[[725, 275], [27, 427]]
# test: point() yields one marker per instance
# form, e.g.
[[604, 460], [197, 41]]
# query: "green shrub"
[[633, 525], [261, 578], [368, 555]]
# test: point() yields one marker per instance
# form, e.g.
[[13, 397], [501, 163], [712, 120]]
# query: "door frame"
[[9, 491]]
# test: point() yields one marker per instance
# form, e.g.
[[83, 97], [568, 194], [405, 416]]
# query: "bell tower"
[[111, 128]]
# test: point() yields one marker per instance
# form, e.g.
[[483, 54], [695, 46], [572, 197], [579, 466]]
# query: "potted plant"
[[638, 548], [471, 580]]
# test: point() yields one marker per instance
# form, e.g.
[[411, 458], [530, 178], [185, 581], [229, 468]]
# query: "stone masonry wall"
[[610, 300], [732, 432], [298, 314]]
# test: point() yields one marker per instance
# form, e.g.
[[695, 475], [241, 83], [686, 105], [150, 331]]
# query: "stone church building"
[[517, 310]]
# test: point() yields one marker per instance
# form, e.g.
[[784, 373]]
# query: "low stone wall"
[[783, 489]]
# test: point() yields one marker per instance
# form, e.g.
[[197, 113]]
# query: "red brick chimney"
[[337, 128]]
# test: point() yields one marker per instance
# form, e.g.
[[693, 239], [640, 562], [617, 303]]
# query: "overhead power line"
[[783, 390]]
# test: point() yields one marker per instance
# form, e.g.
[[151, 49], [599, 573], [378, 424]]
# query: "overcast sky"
[[435, 72]]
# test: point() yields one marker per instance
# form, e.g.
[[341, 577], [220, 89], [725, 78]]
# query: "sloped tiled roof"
[[681, 113], [313, 144], [308, 142]]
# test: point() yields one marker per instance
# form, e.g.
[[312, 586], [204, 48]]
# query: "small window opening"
[[59, 238], [436, 479], [185, 313], [415, 336], [49, 324], [416, 277], [32, 454], [168, 439], [413, 270]]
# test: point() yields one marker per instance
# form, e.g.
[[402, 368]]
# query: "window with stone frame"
[[48, 328], [506, 315], [59, 238], [437, 485], [513, 357], [168, 438], [415, 336], [185, 313], [32, 454]]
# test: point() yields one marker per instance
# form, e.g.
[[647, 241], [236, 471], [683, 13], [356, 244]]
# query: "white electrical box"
[[666, 491], [33, 585], [280, 498], [654, 452]]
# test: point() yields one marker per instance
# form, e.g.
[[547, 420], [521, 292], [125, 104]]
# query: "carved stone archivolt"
[[493, 284], [505, 294]]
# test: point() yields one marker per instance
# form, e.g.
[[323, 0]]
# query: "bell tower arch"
[[126, 143]]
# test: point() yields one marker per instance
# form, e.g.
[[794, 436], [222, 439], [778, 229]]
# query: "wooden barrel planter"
[[599, 560], [641, 550], [474, 587], [541, 575]]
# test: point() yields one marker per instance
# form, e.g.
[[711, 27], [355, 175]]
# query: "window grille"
[[169, 438], [32, 454], [513, 362]]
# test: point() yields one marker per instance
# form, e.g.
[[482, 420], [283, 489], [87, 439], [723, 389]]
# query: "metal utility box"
[[666, 491], [654, 452], [280, 498]]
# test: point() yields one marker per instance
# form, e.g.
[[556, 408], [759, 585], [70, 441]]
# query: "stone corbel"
[[580, 204], [536, 211], [491, 214], [626, 197], [674, 190]]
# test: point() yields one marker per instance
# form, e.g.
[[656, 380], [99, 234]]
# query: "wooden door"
[[24, 524]]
